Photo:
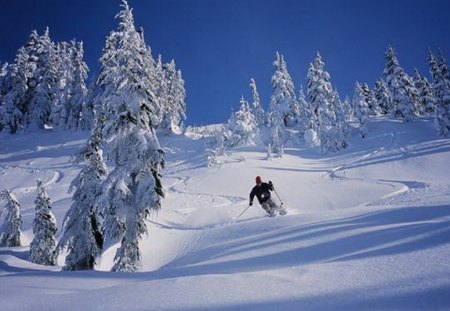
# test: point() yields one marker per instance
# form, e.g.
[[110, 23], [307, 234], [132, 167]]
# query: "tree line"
[[134, 96], [321, 118]]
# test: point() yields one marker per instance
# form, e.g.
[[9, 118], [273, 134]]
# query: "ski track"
[[400, 187]]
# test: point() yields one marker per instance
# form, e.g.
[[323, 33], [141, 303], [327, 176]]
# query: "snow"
[[367, 228]]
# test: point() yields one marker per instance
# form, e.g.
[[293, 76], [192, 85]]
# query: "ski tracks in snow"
[[391, 151]]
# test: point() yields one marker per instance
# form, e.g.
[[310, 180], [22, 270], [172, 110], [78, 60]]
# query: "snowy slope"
[[367, 229]]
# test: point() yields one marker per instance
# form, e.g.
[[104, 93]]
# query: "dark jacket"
[[262, 192]]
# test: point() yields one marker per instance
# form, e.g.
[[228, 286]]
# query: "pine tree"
[[10, 220], [70, 88], [43, 56], [382, 97], [258, 111], [443, 67], [243, 126], [371, 103], [134, 187], [42, 248], [276, 145], [404, 97], [361, 108], [347, 108], [14, 106], [283, 108], [61, 89], [161, 93], [88, 109], [324, 100], [82, 235], [175, 108], [304, 115], [441, 90], [425, 93]]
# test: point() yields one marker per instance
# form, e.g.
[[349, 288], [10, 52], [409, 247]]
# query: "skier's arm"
[[252, 195], [270, 186]]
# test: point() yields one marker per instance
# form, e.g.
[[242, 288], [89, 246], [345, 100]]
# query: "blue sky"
[[220, 45]]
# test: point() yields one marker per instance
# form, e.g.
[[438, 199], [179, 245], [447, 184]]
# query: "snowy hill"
[[367, 228]]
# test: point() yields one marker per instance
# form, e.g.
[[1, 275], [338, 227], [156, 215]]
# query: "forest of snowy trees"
[[322, 119], [135, 97]]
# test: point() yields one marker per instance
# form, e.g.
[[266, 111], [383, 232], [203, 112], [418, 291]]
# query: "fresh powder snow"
[[367, 228]]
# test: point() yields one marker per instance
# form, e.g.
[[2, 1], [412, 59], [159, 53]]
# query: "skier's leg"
[[267, 208], [272, 206], [275, 207]]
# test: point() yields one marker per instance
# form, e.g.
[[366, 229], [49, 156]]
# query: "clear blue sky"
[[220, 45]]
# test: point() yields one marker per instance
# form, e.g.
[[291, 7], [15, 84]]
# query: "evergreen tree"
[[283, 106], [324, 120], [258, 111], [161, 93], [243, 126], [4, 73], [134, 187], [82, 235], [276, 145], [43, 58], [382, 97], [347, 108], [371, 103], [42, 248], [14, 104], [361, 108], [443, 67], [10, 220], [441, 90], [70, 89], [304, 115], [175, 94], [404, 97], [87, 118], [425, 93]]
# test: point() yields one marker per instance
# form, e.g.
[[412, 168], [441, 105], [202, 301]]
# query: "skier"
[[262, 192]]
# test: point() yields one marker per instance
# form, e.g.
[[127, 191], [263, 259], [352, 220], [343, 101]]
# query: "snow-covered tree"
[[443, 67], [347, 108], [276, 146], [42, 248], [82, 233], [42, 56], [87, 118], [342, 128], [371, 103], [70, 88], [258, 111], [425, 92], [324, 126], [283, 108], [441, 90], [134, 187], [382, 97], [220, 140], [175, 107], [10, 220], [14, 103], [404, 95], [361, 108], [304, 115], [160, 88], [243, 126]]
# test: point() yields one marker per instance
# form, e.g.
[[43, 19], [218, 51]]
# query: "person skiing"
[[262, 193]]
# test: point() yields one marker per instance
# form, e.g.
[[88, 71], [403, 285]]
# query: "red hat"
[[258, 179]]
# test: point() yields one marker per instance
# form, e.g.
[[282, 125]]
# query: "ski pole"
[[277, 195], [242, 212]]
